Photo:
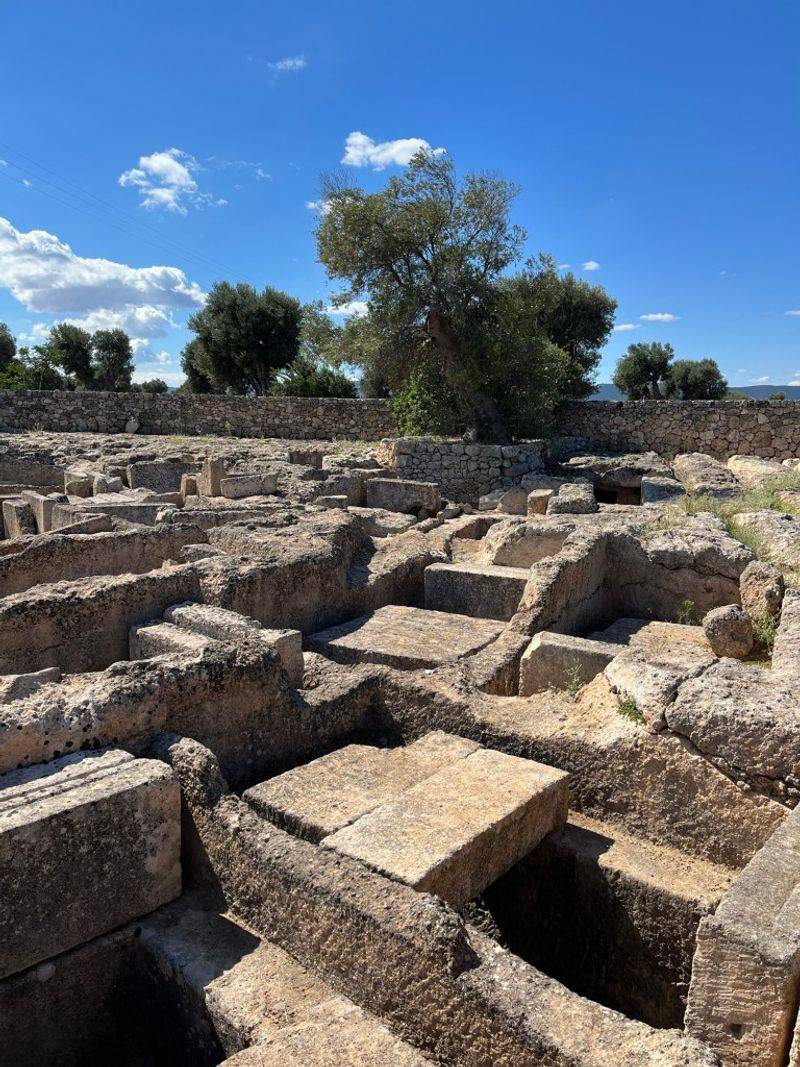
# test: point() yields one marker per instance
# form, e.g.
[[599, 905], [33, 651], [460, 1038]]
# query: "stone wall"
[[301, 418], [722, 428], [464, 471]]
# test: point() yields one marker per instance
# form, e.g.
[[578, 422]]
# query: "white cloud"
[[290, 63], [563, 266], [26, 183], [165, 180], [361, 151], [622, 327], [353, 307], [766, 380], [793, 314], [743, 370], [794, 381], [590, 264], [256, 169], [659, 316], [320, 206], [46, 276], [146, 371]]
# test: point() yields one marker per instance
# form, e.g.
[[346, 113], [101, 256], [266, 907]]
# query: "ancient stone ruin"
[[399, 753]]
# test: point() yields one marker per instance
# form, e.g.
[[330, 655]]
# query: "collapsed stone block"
[[329, 793], [746, 969], [482, 590], [402, 495], [236, 486], [339, 502], [87, 842], [306, 457], [106, 483], [558, 661], [18, 518], [704, 475], [457, 831], [753, 471], [729, 631], [210, 476], [656, 489], [77, 483], [188, 485]]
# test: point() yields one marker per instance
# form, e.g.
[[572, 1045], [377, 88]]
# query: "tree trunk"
[[487, 419]]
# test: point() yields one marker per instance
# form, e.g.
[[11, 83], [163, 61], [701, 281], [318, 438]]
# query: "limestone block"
[[657, 489], [336, 502], [307, 457], [514, 502], [701, 473], [188, 485], [729, 631], [482, 590], [77, 483], [223, 625], [164, 639], [753, 471], [538, 499], [378, 522], [457, 831], [18, 518], [236, 486], [402, 495], [743, 993], [161, 476], [556, 661], [573, 498], [42, 506], [761, 589], [19, 686], [87, 842], [407, 638], [331, 792], [209, 478]]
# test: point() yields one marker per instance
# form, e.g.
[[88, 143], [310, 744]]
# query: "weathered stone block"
[[87, 842], [537, 501], [457, 831], [164, 639], [557, 661], [402, 495], [484, 591], [573, 498], [236, 486], [42, 506], [18, 518]]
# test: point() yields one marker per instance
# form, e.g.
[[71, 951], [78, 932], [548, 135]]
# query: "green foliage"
[[243, 338], [112, 360], [423, 406], [575, 683], [765, 629], [696, 379], [778, 395], [8, 346], [71, 348], [31, 370], [628, 710], [152, 385], [427, 250], [687, 616], [643, 372], [304, 377]]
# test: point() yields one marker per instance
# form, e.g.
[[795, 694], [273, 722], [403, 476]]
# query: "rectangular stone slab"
[[87, 842], [558, 661], [164, 639], [482, 590], [238, 486], [408, 638], [333, 791], [456, 832]]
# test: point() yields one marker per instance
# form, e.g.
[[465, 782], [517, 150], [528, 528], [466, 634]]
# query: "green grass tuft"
[[628, 710]]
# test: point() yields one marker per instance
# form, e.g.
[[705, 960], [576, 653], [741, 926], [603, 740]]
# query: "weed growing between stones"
[[628, 710], [687, 616], [575, 683]]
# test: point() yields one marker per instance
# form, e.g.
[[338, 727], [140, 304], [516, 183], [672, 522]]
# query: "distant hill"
[[607, 391]]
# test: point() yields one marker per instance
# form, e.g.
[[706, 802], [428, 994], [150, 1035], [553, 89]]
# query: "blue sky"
[[658, 143]]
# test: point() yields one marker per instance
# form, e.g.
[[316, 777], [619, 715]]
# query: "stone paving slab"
[[456, 832], [408, 638], [87, 842], [331, 792]]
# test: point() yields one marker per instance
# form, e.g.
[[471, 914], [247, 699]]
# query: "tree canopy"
[[443, 332], [647, 372], [8, 346], [242, 338]]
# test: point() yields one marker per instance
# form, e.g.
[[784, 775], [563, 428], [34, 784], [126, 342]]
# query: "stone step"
[[459, 830], [238, 486], [407, 638], [223, 625], [333, 791], [87, 842], [481, 590]]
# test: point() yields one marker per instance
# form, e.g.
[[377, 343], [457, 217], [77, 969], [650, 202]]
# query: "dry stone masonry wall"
[[461, 469], [302, 418], [721, 428]]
